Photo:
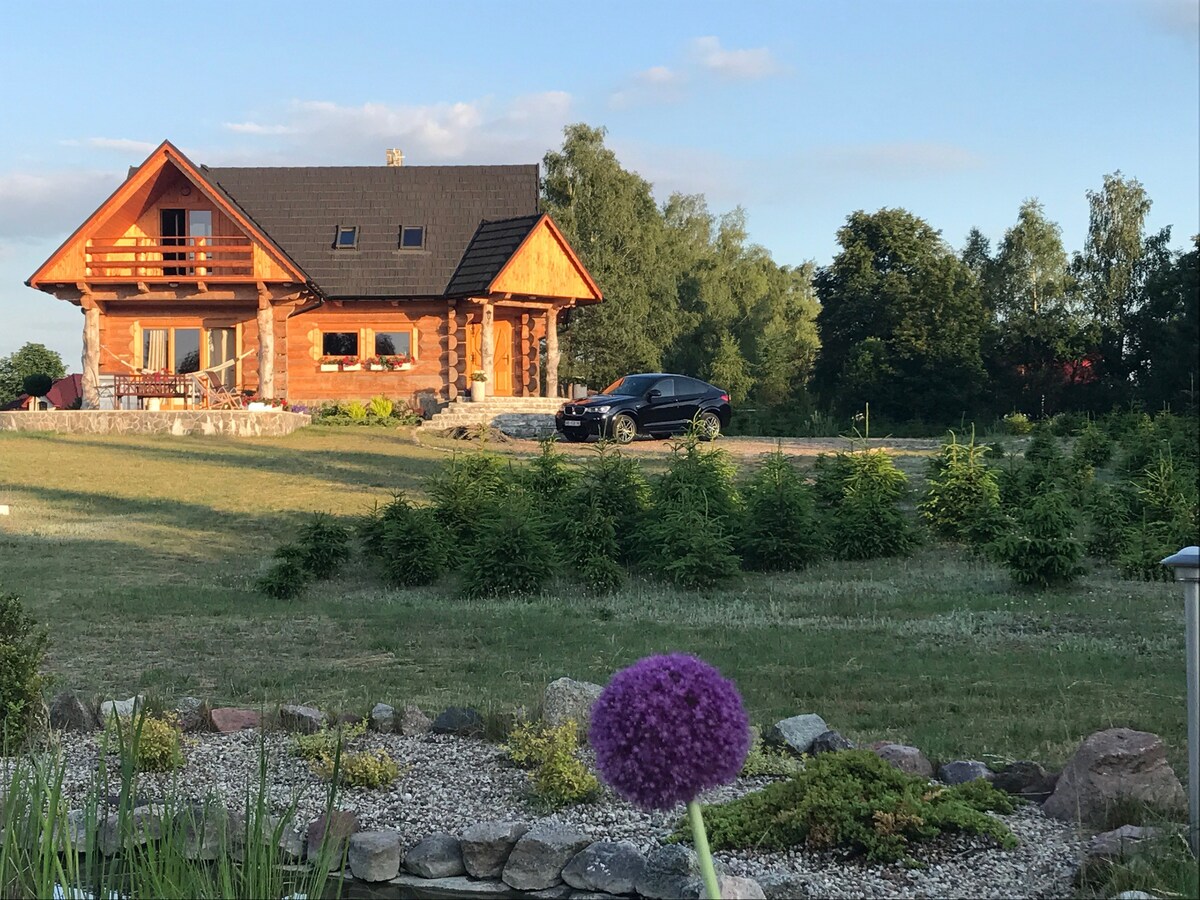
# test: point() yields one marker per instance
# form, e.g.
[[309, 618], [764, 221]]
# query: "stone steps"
[[516, 416]]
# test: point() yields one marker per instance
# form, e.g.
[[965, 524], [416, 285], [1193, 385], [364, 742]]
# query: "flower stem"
[[700, 839]]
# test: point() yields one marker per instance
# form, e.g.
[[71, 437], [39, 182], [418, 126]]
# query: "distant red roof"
[[62, 394]]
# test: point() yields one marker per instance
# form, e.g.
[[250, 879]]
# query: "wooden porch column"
[[266, 346], [552, 352], [487, 346], [91, 352], [452, 352]]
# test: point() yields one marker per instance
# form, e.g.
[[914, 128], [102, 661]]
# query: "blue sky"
[[800, 112]]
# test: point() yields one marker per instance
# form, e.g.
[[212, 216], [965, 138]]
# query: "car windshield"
[[631, 385]]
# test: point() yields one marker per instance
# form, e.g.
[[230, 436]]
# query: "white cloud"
[[658, 84], [1179, 17], [50, 204], [659, 76], [748, 64], [121, 145], [479, 131]]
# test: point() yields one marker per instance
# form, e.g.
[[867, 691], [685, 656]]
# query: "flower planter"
[[329, 367], [478, 391], [354, 368], [378, 368]]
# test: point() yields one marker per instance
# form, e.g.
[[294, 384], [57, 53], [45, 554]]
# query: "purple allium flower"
[[667, 728]]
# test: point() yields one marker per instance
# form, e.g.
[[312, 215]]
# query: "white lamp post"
[[1186, 564]]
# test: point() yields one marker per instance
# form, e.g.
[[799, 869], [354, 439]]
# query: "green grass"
[[140, 554]]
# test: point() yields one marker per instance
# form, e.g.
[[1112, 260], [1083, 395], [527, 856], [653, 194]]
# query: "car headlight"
[[600, 409]]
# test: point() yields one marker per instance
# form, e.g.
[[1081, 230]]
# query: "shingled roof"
[[301, 209], [492, 246]]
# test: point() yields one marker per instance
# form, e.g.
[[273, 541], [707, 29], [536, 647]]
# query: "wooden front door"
[[500, 379]]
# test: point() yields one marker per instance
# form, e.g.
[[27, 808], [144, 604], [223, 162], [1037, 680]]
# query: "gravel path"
[[450, 783]]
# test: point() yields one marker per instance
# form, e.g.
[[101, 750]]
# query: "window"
[[346, 237], [174, 350], [665, 387], [412, 237], [339, 343], [393, 343]]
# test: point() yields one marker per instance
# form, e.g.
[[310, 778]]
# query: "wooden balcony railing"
[[169, 259]]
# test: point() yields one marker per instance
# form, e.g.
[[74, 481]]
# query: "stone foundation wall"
[[229, 422]]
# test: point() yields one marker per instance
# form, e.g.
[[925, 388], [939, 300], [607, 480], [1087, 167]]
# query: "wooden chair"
[[213, 393]]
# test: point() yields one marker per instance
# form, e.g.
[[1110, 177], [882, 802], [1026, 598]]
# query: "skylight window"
[[346, 237], [412, 237]]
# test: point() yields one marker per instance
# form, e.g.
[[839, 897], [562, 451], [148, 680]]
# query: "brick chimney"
[[395, 157]]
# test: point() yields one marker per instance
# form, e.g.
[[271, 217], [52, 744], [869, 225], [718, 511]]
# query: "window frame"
[[337, 237], [404, 248]]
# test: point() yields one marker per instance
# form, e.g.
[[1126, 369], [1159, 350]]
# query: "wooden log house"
[[321, 283]]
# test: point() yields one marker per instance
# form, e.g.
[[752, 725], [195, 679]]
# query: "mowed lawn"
[[140, 555]]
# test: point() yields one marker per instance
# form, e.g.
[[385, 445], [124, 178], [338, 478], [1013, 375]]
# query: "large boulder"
[[1114, 770], [382, 718], [458, 721], [1120, 842], [194, 714], [568, 700], [672, 871], [537, 860], [797, 733], [206, 830], [963, 770], [228, 719], [731, 887], [301, 719], [613, 867], [905, 758], [374, 855], [412, 721], [437, 856], [142, 825], [1027, 780], [69, 713], [486, 847], [331, 834], [830, 742], [122, 708]]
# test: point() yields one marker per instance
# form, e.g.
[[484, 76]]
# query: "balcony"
[[169, 259]]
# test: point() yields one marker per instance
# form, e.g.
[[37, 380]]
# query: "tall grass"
[[50, 851]]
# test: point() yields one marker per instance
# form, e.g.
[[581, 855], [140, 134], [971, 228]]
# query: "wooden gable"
[[546, 266], [121, 240]]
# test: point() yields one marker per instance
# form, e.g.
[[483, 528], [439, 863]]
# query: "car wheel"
[[624, 429], [710, 426]]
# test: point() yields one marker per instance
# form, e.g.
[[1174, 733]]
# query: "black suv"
[[655, 404]]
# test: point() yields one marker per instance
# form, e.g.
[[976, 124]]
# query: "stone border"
[[226, 422]]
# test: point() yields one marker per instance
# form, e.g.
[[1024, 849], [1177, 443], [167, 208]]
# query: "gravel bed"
[[448, 783]]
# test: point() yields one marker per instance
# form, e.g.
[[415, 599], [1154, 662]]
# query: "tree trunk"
[[487, 345], [266, 352], [91, 355], [552, 352]]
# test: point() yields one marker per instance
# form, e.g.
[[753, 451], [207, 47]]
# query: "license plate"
[[571, 424]]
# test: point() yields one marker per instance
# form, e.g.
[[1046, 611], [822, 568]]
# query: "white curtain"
[[155, 350]]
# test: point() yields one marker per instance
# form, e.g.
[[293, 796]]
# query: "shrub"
[[763, 761], [373, 769], [592, 536], [153, 744], [285, 580], [22, 647], [1041, 550], [1164, 499], [465, 490], [1068, 424], [407, 542], [1108, 515], [355, 410], [37, 384], [381, 407], [781, 531], [855, 801], [1017, 424], [326, 543], [1093, 447], [961, 493], [613, 485], [559, 777], [704, 477], [861, 492], [510, 553], [548, 477], [325, 743], [690, 548]]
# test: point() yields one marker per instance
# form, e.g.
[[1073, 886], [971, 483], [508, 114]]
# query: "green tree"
[[31, 359], [1039, 331], [610, 217], [1112, 270], [1165, 331], [901, 321]]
